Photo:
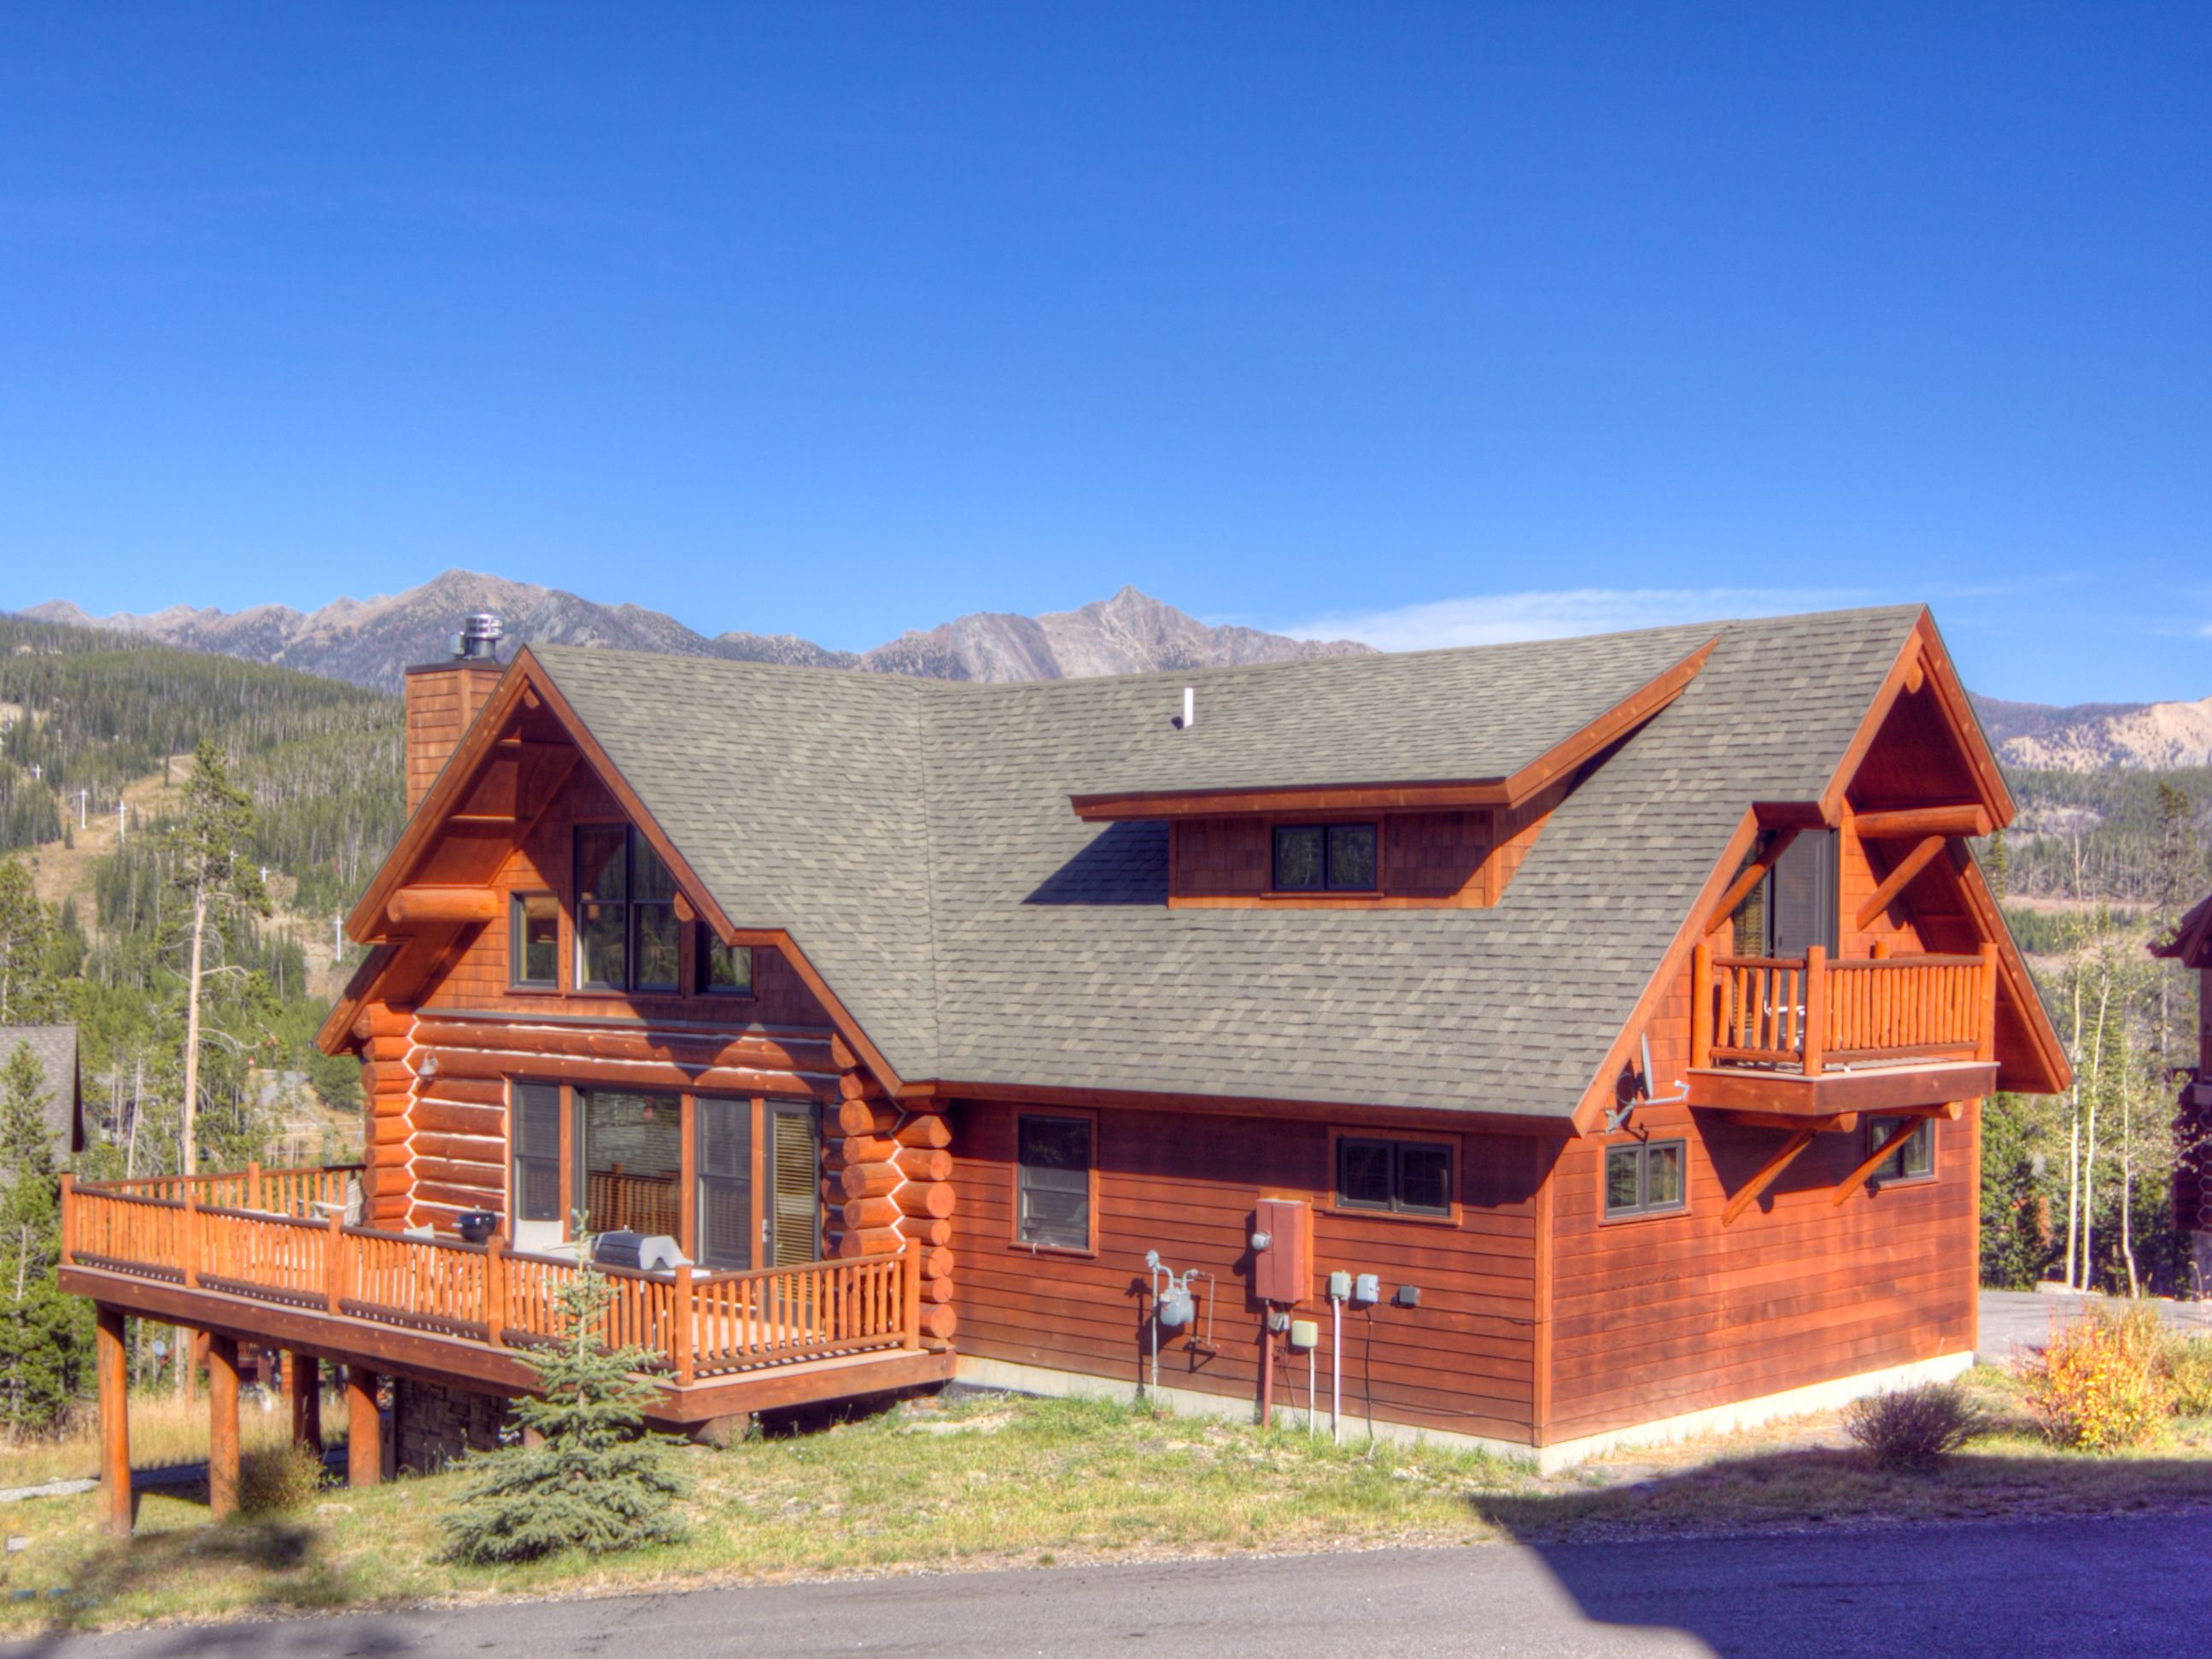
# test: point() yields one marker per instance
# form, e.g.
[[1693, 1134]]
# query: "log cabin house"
[[1534, 1046], [2191, 946]]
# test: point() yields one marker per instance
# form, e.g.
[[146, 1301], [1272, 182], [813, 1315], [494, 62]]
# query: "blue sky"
[[1423, 324]]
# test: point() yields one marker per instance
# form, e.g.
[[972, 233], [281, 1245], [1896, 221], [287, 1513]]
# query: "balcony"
[[1807, 1038], [266, 1257]]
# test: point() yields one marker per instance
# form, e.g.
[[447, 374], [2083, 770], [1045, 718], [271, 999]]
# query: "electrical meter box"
[[1283, 1273]]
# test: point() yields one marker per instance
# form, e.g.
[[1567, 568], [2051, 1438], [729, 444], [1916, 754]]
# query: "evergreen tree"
[[46, 1337], [28, 995], [596, 1481], [210, 870]]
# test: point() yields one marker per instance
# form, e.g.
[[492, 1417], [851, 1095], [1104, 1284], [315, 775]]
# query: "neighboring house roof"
[[2191, 943], [916, 839], [55, 1046]]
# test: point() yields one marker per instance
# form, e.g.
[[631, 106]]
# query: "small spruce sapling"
[[596, 1481]]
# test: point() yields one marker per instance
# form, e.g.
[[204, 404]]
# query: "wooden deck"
[[265, 1257], [1809, 1036]]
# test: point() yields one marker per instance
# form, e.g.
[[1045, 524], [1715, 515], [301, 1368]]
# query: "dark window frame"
[[633, 909], [1397, 1147], [704, 946], [1643, 1206], [1329, 883], [517, 952], [1022, 1188], [1896, 1170]]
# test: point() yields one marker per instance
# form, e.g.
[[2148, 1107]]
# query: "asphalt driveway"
[[2014, 1319]]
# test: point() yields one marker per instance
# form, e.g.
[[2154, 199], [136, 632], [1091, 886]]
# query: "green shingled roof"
[[915, 839]]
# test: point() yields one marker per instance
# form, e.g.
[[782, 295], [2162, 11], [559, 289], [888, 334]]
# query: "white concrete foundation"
[[1714, 1419]]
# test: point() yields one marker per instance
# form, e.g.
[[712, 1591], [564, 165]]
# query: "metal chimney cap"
[[478, 640]]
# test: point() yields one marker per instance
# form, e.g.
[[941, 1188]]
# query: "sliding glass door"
[[630, 1161], [787, 1222], [725, 1129]]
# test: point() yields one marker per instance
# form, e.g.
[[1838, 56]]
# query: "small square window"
[[533, 940], [1645, 1177], [1913, 1159], [724, 970]]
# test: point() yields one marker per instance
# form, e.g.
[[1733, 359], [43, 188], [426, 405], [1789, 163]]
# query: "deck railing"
[[1808, 1014], [693, 1324]]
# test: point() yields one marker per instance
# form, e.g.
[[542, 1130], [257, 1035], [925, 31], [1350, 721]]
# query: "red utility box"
[[1283, 1272]]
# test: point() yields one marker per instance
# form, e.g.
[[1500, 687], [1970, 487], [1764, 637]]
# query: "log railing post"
[[191, 1238], [910, 1295], [1701, 1007], [1986, 1047], [253, 1186], [682, 1336], [334, 1285], [1816, 1006], [495, 1261]]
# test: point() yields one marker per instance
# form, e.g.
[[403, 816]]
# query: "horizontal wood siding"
[[1657, 1316], [1186, 1186]]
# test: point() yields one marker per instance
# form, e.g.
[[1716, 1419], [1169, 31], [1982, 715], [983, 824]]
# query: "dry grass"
[[166, 1432], [984, 1483]]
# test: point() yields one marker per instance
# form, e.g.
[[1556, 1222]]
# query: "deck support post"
[[222, 1427], [303, 1393], [364, 1428], [112, 1363]]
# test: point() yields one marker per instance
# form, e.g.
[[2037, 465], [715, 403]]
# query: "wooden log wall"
[[387, 1078], [887, 1184]]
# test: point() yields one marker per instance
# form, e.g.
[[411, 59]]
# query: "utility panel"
[[1283, 1272]]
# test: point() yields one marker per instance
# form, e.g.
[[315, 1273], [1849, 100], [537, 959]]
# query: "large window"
[[1912, 1159], [785, 1230], [1800, 901], [533, 943], [630, 1155], [1324, 858], [1645, 1178], [626, 929], [1052, 1207], [536, 1136], [726, 1182], [1404, 1178]]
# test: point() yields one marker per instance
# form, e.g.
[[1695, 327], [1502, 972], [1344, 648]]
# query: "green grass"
[[994, 1482]]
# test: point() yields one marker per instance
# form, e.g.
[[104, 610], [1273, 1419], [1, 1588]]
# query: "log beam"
[[415, 907], [1767, 1176], [1896, 1138], [1752, 874], [1900, 878], [1964, 819]]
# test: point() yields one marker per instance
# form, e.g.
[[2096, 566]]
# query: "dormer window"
[[1324, 858], [626, 929]]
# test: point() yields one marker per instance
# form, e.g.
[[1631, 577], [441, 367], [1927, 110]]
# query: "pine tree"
[[596, 1481], [46, 1337], [212, 871], [28, 995]]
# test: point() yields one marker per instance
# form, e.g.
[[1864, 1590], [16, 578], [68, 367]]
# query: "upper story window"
[[533, 941], [1324, 858], [626, 930], [724, 970]]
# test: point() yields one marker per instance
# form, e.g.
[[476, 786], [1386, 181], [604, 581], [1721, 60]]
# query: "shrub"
[[2185, 1363], [596, 1481], [1913, 1428], [278, 1479], [2099, 1386]]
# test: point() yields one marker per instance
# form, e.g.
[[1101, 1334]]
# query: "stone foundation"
[[433, 1423]]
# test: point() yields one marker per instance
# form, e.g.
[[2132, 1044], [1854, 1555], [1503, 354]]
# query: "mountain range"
[[373, 643]]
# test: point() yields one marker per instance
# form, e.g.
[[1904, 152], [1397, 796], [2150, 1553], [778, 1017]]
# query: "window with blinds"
[[795, 1181], [535, 1132], [1053, 1176]]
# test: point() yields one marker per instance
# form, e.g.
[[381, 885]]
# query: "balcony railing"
[[280, 1237], [1809, 1014]]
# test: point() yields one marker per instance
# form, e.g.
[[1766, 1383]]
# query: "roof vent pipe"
[[1190, 707]]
